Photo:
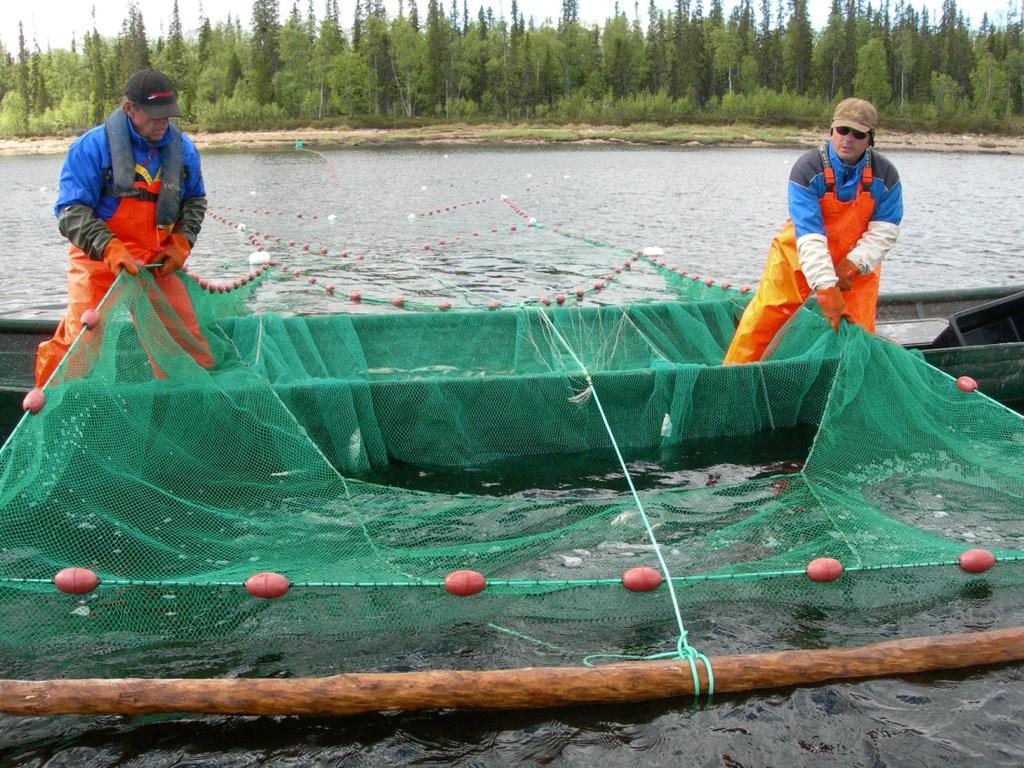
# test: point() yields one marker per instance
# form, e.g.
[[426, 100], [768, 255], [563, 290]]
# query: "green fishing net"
[[175, 481]]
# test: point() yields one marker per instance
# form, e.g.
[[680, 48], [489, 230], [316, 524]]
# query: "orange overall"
[[134, 224], [783, 288]]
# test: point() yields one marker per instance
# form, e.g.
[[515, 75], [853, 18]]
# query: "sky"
[[53, 23]]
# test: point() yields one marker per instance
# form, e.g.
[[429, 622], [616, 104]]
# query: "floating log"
[[355, 693]]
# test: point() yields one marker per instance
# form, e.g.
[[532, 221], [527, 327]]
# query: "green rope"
[[683, 650]]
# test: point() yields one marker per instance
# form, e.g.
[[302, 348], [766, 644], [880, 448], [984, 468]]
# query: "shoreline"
[[569, 135]]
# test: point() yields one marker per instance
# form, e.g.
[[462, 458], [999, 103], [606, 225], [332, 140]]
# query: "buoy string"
[[446, 243], [327, 161], [579, 237], [452, 207], [289, 270], [1005, 557]]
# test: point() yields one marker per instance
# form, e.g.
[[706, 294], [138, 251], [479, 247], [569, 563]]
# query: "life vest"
[[783, 287], [146, 213]]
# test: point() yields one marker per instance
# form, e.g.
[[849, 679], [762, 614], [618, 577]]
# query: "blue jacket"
[[81, 177], [807, 187]]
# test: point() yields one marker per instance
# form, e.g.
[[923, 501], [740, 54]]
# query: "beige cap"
[[856, 113]]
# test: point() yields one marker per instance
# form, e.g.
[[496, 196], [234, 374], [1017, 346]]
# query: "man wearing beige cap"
[[845, 208]]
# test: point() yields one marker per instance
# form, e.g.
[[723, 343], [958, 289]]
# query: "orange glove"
[[846, 270], [176, 250], [118, 257], [832, 306]]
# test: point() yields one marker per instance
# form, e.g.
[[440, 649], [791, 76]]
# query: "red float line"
[[579, 293], [678, 274]]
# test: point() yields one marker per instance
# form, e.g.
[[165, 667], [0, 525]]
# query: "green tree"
[[131, 51], [329, 43], [945, 94], [797, 48], [174, 62], [97, 91], [872, 79], [24, 82], [296, 87], [989, 85], [407, 57], [350, 79], [436, 57], [265, 52]]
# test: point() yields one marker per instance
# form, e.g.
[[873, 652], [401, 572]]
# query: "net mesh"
[[319, 447]]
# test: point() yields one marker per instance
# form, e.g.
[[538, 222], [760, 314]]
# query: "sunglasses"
[[843, 130]]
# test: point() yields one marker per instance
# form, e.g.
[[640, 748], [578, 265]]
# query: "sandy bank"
[[740, 136]]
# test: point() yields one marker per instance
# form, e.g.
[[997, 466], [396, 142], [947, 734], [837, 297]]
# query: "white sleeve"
[[815, 262], [873, 245]]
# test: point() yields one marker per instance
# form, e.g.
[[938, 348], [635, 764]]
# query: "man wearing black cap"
[[845, 208], [131, 193]]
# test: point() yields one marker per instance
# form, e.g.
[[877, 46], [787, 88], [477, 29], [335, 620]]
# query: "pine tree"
[[174, 55], [570, 12], [265, 52], [23, 82]]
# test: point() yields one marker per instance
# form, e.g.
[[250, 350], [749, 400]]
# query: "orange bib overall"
[[783, 288], [134, 224]]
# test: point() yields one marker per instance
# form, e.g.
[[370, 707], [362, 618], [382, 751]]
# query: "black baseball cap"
[[153, 92]]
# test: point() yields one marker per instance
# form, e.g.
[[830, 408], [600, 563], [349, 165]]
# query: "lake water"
[[713, 212]]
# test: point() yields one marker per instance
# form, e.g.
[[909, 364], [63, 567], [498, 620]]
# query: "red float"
[[976, 560], [33, 401], [444, 306], [744, 289], [75, 581], [966, 384], [560, 298], [90, 318], [642, 579], [266, 584], [355, 297], [464, 583], [824, 569], [398, 301]]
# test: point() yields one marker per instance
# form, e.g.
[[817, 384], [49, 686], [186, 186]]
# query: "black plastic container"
[[998, 322]]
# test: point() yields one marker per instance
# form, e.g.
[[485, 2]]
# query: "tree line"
[[764, 64]]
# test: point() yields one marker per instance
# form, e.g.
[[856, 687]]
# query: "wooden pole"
[[504, 689]]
